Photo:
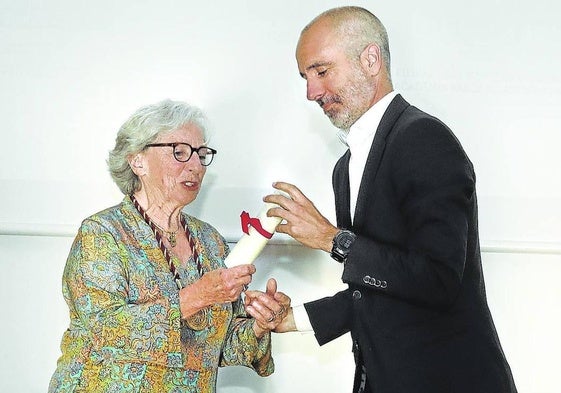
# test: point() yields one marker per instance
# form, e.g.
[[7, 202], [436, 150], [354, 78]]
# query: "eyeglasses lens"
[[183, 152]]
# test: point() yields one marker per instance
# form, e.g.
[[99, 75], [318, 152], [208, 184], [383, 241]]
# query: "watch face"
[[345, 240], [341, 245]]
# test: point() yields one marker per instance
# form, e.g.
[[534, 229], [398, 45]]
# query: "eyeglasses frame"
[[193, 150]]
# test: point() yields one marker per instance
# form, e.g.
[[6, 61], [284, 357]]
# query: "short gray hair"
[[359, 28], [143, 127]]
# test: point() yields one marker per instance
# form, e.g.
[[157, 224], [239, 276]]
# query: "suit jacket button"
[[357, 295]]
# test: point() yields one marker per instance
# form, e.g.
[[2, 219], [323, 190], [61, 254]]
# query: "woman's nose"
[[194, 163]]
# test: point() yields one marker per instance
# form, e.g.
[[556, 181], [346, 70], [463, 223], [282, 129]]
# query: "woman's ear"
[[137, 164]]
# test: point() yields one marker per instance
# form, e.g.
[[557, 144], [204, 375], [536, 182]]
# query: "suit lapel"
[[342, 191], [396, 107]]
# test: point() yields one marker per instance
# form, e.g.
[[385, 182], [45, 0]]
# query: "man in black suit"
[[406, 226]]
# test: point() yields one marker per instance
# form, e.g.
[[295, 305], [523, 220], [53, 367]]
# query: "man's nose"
[[314, 90]]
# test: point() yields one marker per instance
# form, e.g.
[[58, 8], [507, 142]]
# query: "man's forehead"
[[317, 53]]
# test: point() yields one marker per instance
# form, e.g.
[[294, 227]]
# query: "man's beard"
[[352, 99]]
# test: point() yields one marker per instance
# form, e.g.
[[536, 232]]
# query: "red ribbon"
[[248, 221]]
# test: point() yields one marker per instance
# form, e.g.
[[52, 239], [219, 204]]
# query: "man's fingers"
[[282, 298], [290, 189], [284, 202], [271, 287]]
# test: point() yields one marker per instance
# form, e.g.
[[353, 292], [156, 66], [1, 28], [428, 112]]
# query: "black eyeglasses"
[[182, 152]]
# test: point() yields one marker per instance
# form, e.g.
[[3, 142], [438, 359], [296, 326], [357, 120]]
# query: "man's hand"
[[303, 220], [269, 309]]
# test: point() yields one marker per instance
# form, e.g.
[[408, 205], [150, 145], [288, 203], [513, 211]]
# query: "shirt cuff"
[[301, 319]]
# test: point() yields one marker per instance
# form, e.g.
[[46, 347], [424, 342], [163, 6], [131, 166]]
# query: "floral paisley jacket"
[[126, 333]]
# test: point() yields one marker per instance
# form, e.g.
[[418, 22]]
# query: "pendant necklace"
[[200, 319], [170, 235]]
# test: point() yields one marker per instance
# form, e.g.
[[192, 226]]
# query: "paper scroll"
[[257, 232]]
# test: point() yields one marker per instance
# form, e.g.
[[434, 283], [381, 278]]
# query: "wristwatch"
[[342, 243]]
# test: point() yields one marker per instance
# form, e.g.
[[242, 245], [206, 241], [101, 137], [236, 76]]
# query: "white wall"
[[71, 72]]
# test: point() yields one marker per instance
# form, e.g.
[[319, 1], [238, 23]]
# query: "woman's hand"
[[269, 309], [216, 286]]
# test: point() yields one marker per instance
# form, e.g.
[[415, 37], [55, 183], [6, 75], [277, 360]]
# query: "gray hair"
[[359, 28], [143, 127]]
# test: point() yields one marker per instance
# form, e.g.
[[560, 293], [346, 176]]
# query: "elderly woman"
[[152, 306]]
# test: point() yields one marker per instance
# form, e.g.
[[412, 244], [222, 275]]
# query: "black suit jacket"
[[416, 305]]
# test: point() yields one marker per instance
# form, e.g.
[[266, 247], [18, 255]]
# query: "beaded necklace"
[[199, 320]]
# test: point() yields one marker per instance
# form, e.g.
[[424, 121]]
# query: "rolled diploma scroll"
[[251, 244]]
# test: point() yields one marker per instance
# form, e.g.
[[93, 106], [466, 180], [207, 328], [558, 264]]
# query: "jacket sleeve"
[[433, 184], [330, 317], [243, 348]]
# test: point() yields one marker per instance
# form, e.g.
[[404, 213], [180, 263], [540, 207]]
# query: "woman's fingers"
[[226, 285], [265, 307]]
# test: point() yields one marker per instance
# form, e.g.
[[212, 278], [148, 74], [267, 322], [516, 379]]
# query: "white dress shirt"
[[359, 140]]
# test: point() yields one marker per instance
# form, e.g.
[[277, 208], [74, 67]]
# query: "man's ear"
[[137, 164], [371, 59]]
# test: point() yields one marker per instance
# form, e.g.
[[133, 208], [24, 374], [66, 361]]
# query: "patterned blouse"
[[126, 333]]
